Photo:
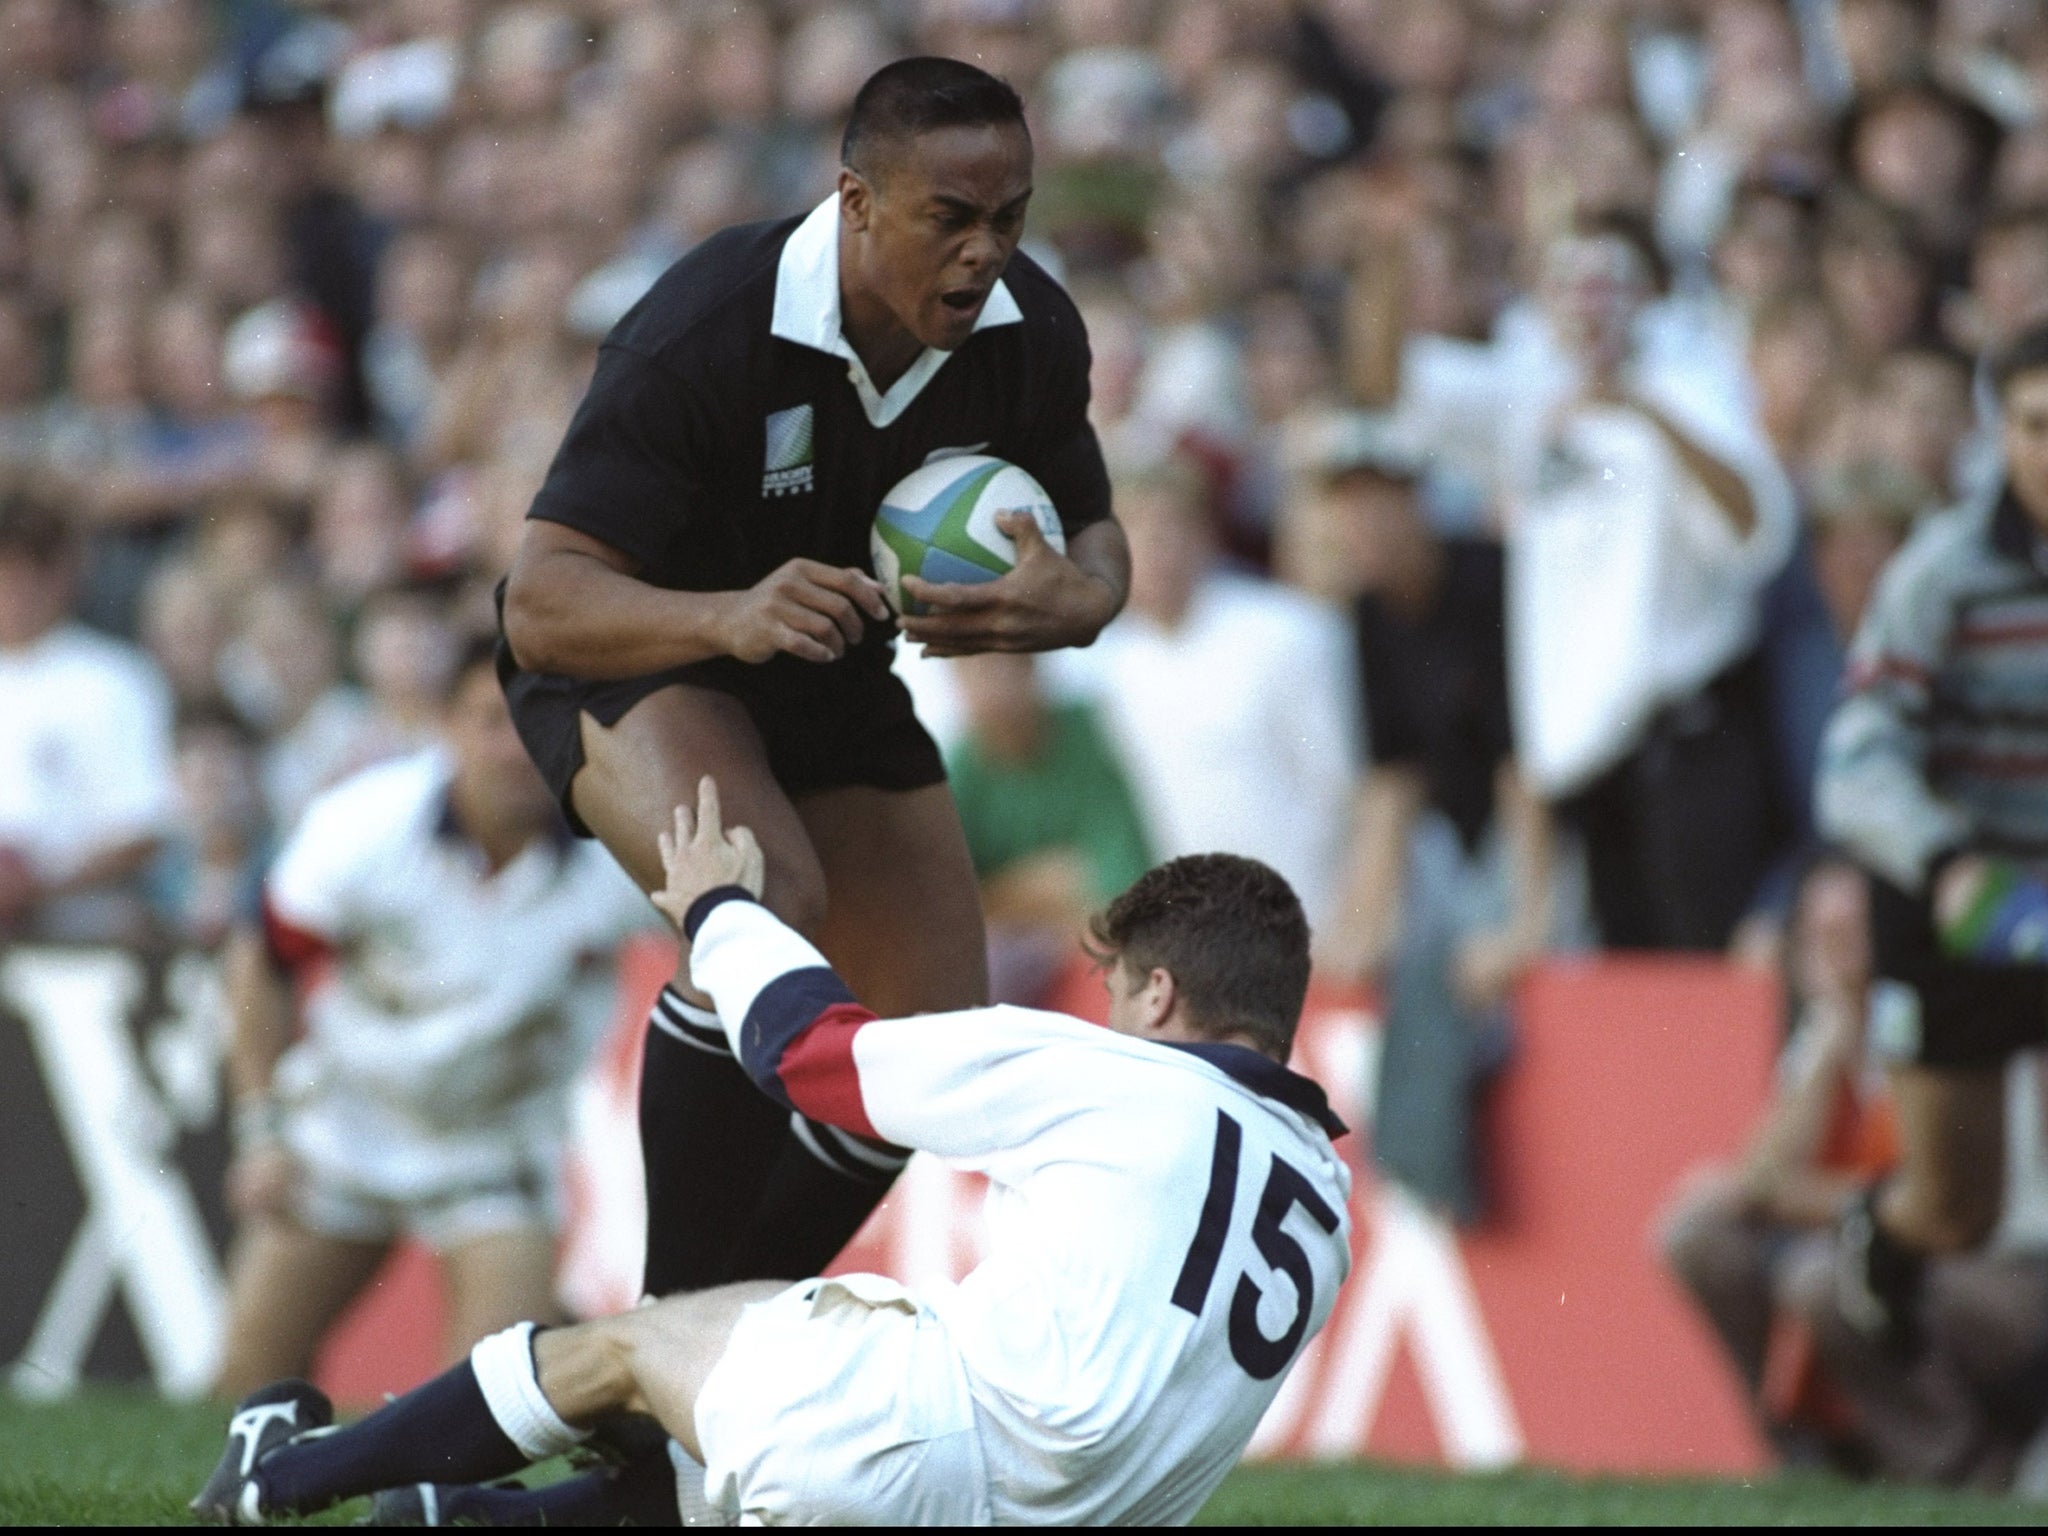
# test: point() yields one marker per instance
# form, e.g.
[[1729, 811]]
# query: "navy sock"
[[642, 1493], [443, 1432], [709, 1139]]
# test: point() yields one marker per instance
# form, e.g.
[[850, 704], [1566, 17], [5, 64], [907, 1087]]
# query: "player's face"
[[936, 227], [2026, 443], [1594, 289]]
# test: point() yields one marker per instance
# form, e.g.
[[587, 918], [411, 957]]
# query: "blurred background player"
[[690, 597], [430, 972], [1107, 1361], [1933, 778]]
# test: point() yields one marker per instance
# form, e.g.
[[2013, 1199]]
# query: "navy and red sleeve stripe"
[[796, 1041], [291, 947], [797, 1045]]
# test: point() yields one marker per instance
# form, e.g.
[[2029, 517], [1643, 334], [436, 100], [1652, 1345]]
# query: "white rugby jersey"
[[1167, 1224], [441, 999]]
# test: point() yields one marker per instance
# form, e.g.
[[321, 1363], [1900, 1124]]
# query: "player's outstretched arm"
[[261, 1025], [1048, 601], [574, 605]]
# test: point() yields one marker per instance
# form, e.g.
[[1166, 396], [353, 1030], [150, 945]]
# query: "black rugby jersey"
[[729, 428]]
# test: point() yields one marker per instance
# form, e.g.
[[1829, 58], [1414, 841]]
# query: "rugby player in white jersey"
[[1167, 1228], [440, 946]]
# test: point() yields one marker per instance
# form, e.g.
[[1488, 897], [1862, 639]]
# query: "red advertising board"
[[1550, 1335]]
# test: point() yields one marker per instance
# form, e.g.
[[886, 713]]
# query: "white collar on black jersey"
[[807, 313]]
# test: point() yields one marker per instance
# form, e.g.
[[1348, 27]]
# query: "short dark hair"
[[1633, 230], [2025, 353], [917, 95], [213, 717], [34, 530], [1232, 934]]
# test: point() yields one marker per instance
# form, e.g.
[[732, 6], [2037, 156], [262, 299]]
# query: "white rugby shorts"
[[440, 1222], [444, 1190], [841, 1402]]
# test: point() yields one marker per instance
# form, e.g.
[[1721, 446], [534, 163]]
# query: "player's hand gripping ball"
[[939, 523]]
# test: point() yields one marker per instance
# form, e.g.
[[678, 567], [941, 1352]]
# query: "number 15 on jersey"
[[1262, 1357]]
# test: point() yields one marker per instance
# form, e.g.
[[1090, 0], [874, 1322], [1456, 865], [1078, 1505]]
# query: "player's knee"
[[1960, 1224], [590, 1368], [1687, 1246], [1952, 1217], [1696, 1237], [1708, 1258]]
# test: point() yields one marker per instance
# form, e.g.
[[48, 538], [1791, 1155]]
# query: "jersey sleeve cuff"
[[710, 902]]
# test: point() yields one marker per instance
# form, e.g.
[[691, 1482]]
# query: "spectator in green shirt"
[[1051, 823]]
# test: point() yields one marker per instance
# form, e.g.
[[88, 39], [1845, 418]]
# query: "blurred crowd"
[[1403, 311]]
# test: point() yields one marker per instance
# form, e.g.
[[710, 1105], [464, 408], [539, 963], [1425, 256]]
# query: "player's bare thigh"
[[654, 1359], [879, 879], [903, 920], [286, 1285], [637, 771], [496, 1279]]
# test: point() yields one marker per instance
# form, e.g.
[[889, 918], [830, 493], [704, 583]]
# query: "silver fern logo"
[[788, 468]]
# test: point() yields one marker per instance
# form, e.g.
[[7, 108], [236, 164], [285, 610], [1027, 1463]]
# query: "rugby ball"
[[939, 523]]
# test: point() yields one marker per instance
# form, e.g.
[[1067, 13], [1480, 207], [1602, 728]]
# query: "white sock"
[[503, 1364], [682, 1020]]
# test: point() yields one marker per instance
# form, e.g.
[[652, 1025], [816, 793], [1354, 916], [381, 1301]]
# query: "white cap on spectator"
[[1344, 442], [409, 85], [1105, 101], [280, 348]]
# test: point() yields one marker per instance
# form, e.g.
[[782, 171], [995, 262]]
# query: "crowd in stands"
[[1511, 405]]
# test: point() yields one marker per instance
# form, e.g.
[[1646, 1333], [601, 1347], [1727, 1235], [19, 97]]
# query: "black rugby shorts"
[[1970, 1016], [824, 726]]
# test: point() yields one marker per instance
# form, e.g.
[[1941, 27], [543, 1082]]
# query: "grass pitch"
[[122, 1458]]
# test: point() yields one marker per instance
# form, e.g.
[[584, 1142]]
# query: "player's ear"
[[856, 200], [1157, 998]]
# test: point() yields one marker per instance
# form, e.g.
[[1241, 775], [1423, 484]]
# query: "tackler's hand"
[[1044, 602], [700, 855]]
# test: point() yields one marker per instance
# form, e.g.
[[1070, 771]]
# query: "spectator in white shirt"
[[1636, 557], [1644, 513], [1228, 698], [85, 756]]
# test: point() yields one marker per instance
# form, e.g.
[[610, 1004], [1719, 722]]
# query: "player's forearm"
[[1724, 485], [1375, 324], [1103, 554], [1367, 924], [1532, 858], [112, 865], [568, 613], [259, 1016]]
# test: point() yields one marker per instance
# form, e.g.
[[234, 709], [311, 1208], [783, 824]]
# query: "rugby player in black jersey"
[[692, 597]]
